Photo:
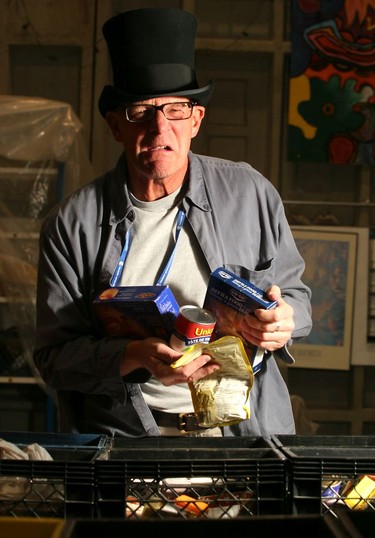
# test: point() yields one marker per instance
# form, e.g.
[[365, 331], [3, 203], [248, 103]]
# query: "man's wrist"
[[131, 358]]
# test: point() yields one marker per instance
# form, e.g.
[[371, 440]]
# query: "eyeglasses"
[[172, 111]]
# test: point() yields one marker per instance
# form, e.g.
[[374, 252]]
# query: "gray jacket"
[[238, 218]]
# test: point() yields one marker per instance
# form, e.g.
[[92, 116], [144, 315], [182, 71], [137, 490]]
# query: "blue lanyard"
[[121, 262], [116, 277]]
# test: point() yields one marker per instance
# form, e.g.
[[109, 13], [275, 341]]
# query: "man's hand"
[[270, 329], [156, 356]]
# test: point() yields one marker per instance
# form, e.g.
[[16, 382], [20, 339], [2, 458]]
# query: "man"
[[232, 217]]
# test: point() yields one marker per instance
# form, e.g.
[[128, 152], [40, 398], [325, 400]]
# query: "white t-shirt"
[[153, 239]]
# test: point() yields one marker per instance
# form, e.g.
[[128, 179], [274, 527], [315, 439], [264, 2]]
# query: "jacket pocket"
[[263, 276]]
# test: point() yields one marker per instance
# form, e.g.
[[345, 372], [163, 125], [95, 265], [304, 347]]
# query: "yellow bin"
[[12, 527]]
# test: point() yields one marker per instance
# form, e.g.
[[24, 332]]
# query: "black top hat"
[[152, 55]]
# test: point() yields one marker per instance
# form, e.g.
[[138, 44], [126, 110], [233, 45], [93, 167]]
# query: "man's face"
[[156, 149]]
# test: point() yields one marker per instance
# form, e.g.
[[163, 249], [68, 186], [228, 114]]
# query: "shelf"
[[19, 235], [23, 171], [20, 380], [243, 45], [17, 300]]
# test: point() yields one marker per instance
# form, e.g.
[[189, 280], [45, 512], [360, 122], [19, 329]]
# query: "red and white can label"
[[194, 325]]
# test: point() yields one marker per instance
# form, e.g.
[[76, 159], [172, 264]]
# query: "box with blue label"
[[229, 298], [137, 311]]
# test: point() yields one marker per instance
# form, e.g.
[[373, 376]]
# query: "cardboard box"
[[137, 311], [229, 298]]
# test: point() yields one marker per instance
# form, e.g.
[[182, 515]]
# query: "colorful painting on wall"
[[332, 82]]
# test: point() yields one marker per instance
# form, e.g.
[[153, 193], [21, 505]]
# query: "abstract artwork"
[[332, 82], [330, 258]]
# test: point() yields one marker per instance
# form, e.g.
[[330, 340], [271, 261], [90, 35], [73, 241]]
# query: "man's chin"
[[157, 169]]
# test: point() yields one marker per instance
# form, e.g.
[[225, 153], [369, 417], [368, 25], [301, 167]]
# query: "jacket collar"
[[122, 207], [120, 202], [196, 192]]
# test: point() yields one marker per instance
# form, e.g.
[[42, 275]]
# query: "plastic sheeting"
[[42, 158]]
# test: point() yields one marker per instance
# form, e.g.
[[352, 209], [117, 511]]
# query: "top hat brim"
[[113, 97]]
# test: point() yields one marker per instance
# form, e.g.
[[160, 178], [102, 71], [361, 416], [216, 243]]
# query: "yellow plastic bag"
[[223, 397]]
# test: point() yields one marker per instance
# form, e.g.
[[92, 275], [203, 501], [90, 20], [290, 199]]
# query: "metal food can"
[[194, 325]]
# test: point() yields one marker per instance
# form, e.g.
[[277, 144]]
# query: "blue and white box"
[[137, 311], [230, 298]]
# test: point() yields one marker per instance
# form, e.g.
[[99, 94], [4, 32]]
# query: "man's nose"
[[160, 122]]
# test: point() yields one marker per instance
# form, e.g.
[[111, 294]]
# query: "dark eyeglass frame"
[[189, 105]]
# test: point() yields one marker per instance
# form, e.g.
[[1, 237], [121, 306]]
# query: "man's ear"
[[113, 119], [198, 115]]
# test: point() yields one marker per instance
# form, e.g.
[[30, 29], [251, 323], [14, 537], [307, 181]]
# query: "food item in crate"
[[191, 505], [37, 452], [150, 499], [190, 498], [10, 451], [14, 487], [21, 495], [133, 507], [221, 398], [157, 507], [211, 498], [144, 501], [331, 490], [229, 504], [154, 507], [170, 488], [361, 493], [357, 493], [34, 451]]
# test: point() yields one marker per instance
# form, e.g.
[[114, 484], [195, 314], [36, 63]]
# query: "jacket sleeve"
[[70, 353], [289, 274]]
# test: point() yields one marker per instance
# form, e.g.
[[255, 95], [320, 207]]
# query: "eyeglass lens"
[[172, 111]]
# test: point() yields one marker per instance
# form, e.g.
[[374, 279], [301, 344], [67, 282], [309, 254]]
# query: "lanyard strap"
[[121, 262], [116, 277], [180, 222]]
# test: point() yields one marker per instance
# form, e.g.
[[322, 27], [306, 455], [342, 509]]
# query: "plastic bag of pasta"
[[221, 398]]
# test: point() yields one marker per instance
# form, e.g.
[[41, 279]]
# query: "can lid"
[[197, 314]]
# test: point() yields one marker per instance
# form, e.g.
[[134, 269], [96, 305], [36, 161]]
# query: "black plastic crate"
[[329, 474], [64, 487], [181, 477], [254, 527], [61, 445], [357, 524]]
